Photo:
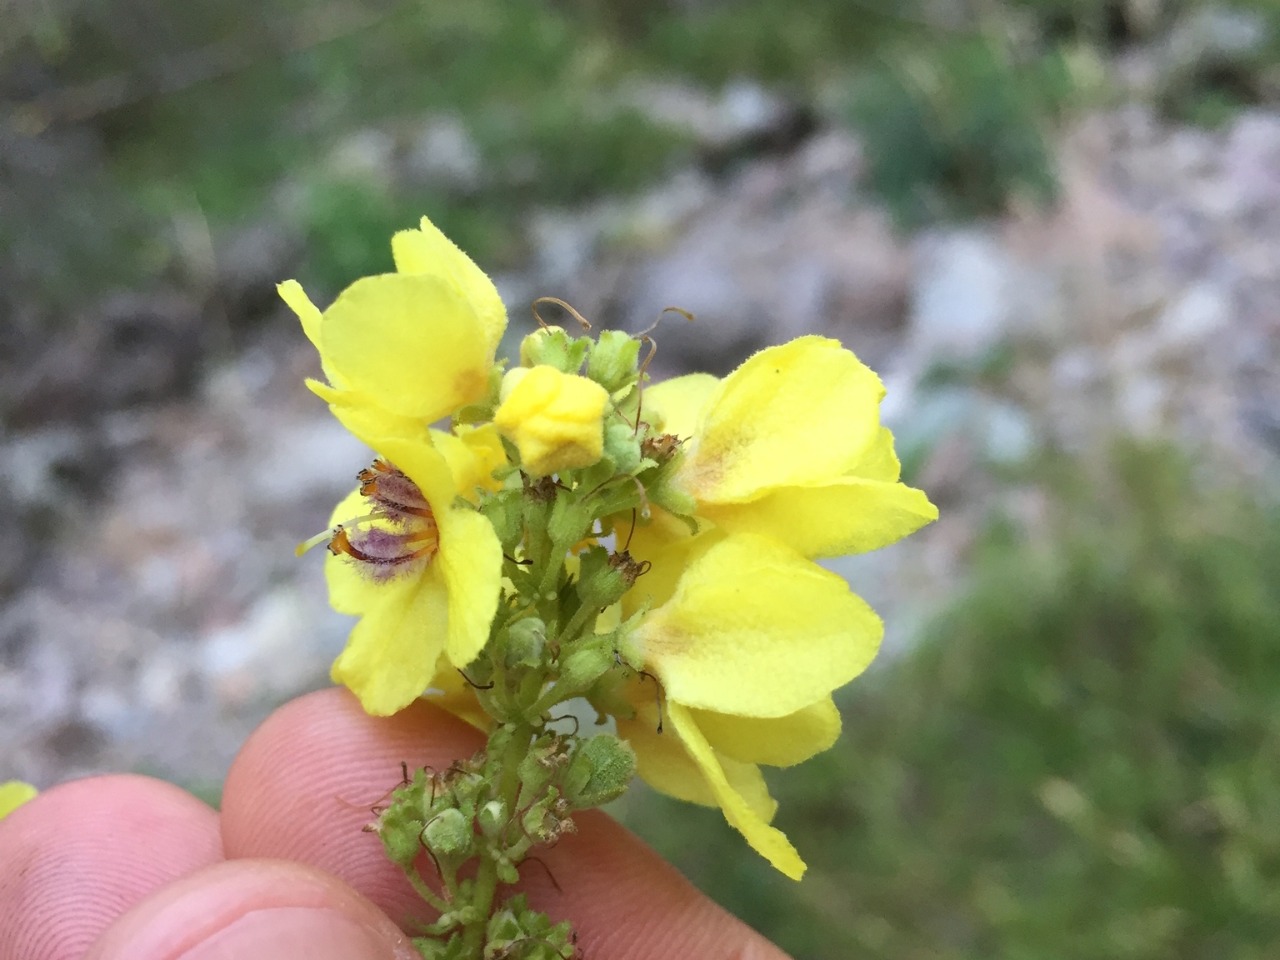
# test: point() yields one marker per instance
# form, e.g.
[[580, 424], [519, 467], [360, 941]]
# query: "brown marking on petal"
[[470, 385]]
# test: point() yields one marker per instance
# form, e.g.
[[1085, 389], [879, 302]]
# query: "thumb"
[[254, 908]]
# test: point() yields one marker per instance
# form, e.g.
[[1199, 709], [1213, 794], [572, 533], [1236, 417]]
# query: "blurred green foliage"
[[961, 131], [1080, 760], [119, 112]]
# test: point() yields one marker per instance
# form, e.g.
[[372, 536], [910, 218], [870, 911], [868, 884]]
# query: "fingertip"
[[305, 783], [80, 854], [254, 908]]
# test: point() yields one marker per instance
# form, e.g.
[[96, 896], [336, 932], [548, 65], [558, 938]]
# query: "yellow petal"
[[392, 652], [13, 794], [849, 515], [427, 250], [756, 630], [409, 343], [676, 405], [555, 419], [308, 313], [473, 454], [878, 461], [778, 742], [663, 762], [669, 548], [767, 841], [470, 556], [425, 466], [470, 559], [798, 413], [366, 419], [351, 590]]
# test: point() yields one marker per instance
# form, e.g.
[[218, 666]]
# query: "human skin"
[[118, 867]]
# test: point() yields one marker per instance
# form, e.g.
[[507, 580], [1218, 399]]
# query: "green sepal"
[[570, 521], [506, 512]]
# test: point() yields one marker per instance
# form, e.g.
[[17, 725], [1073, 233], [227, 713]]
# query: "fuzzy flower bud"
[[492, 819], [613, 360], [553, 347], [526, 640], [600, 771], [555, 419], [448, 833]]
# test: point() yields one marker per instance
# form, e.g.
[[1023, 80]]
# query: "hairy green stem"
[[514, 748]]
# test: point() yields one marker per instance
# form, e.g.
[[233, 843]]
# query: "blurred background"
[[1053, 226]]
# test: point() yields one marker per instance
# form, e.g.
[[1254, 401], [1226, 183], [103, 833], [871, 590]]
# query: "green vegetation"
[[233, 110], [1079, 761]]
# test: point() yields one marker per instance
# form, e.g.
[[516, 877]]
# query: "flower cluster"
[[563, 530]]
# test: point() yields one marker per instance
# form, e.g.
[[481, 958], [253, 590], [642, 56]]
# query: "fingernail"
[[305, 933]]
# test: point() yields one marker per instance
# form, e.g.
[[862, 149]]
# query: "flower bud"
[[612, 363], [555, 419], [600, 771], [553, 347], [583, 667], [526, 640], [604, 577], [622, 446], [492, 818], [507, 872], [448, 834], [400, 834]]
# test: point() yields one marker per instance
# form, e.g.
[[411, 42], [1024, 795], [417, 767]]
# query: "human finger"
[[254, 908], [79, 855], [303, 785]]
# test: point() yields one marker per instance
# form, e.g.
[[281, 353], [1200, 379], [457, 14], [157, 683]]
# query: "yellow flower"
[[790, 445], [421, 569], [13, 794], [748, 640], [405, 349], [555, 419]]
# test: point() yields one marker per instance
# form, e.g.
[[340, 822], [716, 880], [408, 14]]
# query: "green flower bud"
[[604, 577], [492, 819], [584, 666], [449, 834], [553, 347], [526, 641], [613, 360], [507, 872], [670, 499], [600, 771], [622, 446], [400, 834]]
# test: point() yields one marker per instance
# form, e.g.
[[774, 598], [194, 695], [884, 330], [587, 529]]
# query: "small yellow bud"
[[555, 419]]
